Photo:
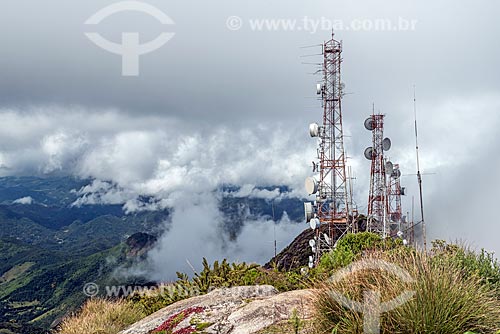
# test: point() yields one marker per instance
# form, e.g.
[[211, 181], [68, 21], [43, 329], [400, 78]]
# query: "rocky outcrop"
[[296, 254], [139, 244], [238, 310]]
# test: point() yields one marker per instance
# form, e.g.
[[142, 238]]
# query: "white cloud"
[[24, 200], [102, 192], [196, 232], [249, 190], [173, 162]]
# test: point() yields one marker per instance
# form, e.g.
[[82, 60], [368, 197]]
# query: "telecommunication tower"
[[378, 206], [329, 214], [397, 222]]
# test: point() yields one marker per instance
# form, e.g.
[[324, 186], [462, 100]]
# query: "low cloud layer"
[[172, 161], [196, 232], [238, 114]]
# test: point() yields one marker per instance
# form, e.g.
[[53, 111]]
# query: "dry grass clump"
[[100, 316], [447, 298]]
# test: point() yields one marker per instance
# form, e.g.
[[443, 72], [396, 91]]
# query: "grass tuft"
[[100, 316], [448, 299]]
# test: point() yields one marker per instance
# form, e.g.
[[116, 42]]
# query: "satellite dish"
[[314, 129], [386, 144], [396, 174], [313, 249], [403, 191], [369, 153], [314, 223], [312, 243], [369, 125], [405, 242], [318, 89], [308, 211], [389, 167], [311, 185], [399, 234], [327, 239], [311, 265]]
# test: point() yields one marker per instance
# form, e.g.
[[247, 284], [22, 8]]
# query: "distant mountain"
[[38, 286], [50, 248]]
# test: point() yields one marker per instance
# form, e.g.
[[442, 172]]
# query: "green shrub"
[[482, 264], [351, 247], [218, 275]]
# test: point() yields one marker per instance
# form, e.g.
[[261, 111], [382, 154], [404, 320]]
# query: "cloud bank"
[[239, 114]]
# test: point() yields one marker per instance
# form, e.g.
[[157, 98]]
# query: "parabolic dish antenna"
[[327, 239], [369, 153], [312, 243], [386, 144], [396, 173], [389, 167], [314, 223], [311, 185], [403, 191], [314, 129], [308, 211], [369, 124], [318, 89]]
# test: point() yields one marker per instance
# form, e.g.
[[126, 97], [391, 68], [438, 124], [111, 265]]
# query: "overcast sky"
[[215, 105]]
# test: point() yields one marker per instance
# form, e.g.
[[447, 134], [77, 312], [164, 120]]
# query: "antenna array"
[[329, 214]]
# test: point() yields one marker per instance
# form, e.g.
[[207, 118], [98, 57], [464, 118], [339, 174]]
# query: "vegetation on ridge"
[[99, 316], [456, 289]]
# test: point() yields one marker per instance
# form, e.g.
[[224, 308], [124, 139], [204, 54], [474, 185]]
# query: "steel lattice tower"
[[394, 192], [333, 181], [331, 208], [377, 199]]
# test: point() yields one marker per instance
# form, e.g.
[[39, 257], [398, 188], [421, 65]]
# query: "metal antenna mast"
[[419, 176], [378, 205], [398, 224], [329, 214]]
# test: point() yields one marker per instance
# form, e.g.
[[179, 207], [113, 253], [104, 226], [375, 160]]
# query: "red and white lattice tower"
[[377, 198], [394, 191], [329, 214]]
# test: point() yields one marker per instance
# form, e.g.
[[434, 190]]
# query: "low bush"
[[351, 247], [218, 275]]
